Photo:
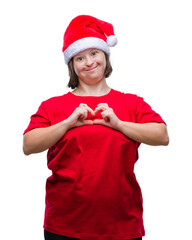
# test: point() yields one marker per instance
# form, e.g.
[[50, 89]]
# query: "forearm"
[[149, 133], [40, 139]]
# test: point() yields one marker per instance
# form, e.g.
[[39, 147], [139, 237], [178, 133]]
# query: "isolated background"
[[153, 59]]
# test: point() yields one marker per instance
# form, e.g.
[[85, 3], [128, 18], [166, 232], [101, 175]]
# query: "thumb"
[[87, 122], [99, 121], [84, 122]]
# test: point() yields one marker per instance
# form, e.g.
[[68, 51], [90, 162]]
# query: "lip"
[[91, 69]]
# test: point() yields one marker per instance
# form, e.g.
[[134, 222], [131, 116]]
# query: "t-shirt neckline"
[[102, 96]]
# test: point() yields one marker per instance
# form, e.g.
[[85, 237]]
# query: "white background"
[[153, 59]]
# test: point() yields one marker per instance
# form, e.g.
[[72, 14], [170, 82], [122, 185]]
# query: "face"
[[90, 65]]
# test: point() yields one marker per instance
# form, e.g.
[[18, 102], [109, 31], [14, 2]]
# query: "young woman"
[[92, 135]]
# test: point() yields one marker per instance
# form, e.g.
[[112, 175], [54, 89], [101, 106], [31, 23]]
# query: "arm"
[[40, 139], [152, 133], [149, 133]]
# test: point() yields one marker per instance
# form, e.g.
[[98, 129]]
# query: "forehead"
[[84, 52]]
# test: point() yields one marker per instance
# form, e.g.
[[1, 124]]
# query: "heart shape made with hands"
[[102, 114], [97, 113]]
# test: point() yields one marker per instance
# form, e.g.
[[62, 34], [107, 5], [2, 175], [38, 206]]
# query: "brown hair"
[[73, 78]]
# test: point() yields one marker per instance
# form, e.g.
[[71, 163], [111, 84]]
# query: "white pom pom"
[[112, 41]]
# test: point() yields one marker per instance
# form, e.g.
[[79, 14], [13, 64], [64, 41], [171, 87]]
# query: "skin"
[[89, 66]]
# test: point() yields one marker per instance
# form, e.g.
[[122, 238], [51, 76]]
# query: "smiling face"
[[89, 65]]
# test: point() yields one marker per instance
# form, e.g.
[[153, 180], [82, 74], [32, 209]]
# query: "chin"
[[95, 80], [91, 80]]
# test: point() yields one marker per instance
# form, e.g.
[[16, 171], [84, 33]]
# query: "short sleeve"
[[39, 119], [145, 114]]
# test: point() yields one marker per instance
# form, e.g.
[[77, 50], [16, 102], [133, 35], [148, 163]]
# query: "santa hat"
[[86, 32]]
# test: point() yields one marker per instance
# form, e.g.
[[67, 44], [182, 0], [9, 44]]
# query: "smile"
[[91, 69]]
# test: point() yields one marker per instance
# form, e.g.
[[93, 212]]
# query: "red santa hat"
[[86, 32]]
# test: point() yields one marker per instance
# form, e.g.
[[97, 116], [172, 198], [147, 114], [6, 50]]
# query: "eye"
[[79, 59], [94, 52]]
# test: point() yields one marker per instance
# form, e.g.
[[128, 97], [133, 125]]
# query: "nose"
[[89, 61]]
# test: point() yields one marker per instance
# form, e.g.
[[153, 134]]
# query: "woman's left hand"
[[109, 117], [151, 133]]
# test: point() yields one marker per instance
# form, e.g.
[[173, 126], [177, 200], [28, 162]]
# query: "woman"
[[93, 134]]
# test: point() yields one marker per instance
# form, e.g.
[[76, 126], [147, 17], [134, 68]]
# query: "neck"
[[92, 90]]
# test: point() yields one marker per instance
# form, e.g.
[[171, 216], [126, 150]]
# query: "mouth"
[[91, 69]]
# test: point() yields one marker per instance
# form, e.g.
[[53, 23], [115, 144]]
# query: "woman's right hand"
[[78, 117], [40, 139]]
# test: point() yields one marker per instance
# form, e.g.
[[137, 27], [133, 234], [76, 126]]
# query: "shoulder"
[[127, 97], [56, 100], [133, 102]]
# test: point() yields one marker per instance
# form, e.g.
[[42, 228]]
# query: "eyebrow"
[[81, 54]]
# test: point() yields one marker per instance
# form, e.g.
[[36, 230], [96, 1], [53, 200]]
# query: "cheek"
[[103, 63], [76, 69], [103, 60]]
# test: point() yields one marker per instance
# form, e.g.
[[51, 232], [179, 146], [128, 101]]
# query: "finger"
[[83, 105], [100, 108], [99, 121], [90, 110], [106, 118], [103, 104], [87, 107], [88, 122], [84, 122], [107, 115], [82, 114]]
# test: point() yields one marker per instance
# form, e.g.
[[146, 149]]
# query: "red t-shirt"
[[93, 192]]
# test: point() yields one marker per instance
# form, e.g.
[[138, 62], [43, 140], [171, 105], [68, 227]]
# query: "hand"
[[77, 118], [109, 117]]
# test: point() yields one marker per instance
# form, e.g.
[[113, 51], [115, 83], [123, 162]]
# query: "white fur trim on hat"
[[83, 44]]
